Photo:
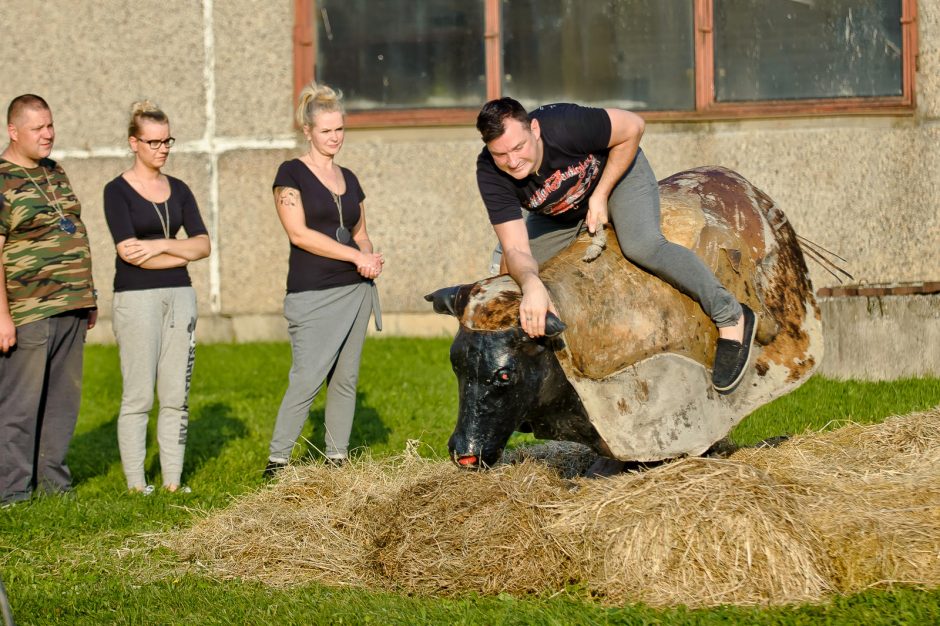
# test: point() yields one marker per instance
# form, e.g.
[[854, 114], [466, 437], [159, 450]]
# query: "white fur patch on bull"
[[493, 304]]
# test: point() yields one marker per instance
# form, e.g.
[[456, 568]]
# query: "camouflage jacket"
[[48, 270]]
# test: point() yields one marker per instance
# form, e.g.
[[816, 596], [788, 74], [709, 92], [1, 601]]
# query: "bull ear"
[[449, 300], [553, 325]]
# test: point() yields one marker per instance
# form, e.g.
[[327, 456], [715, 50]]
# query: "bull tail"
[[598, 243], [824, 258]]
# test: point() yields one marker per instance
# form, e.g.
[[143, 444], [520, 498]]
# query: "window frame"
[[706, 108]]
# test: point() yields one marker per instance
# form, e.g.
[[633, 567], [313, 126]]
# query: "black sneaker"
[[336, 462], [731, 357], [272, 468]]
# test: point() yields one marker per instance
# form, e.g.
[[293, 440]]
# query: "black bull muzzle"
[[481, 433], [501, 380], [500, 374]]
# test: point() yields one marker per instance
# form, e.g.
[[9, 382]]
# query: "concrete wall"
[[881, 338], [865, 187]]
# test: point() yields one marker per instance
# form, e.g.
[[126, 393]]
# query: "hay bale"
[[403, 523], [698, 532], [454, 531], [900, 442], [825, 513], [872, 493], [307, 527]]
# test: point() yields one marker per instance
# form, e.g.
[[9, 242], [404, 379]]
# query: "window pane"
[[635, 54], [789, 49], [402, 53]]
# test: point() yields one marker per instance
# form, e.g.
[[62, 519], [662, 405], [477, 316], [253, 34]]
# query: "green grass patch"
[[85, 559], [826, 404]]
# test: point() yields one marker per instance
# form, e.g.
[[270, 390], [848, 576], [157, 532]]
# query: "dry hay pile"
[[823, 513], [450, 531], [698, 532], [873, 495], [406, 523]]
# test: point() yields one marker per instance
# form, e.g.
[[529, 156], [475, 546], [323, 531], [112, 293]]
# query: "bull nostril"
[[467, 460]]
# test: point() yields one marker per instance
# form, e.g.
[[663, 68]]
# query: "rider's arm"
[[626, 129], [524, 269]]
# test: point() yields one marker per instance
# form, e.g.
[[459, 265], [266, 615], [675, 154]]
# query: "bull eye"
[[503, 376]]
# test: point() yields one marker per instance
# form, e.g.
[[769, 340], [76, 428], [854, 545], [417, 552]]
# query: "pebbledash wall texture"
[[866, 187]]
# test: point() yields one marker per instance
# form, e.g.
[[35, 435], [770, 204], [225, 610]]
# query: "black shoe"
[[336, 462], [272, 468], [731, 357]]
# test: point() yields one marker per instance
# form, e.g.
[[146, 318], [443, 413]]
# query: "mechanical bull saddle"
[[627, 371]]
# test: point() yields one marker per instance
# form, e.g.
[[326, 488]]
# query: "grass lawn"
[[84, 559]]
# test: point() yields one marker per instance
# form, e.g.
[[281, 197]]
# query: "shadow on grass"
[[211, 428], [92, 453], [368, 429]]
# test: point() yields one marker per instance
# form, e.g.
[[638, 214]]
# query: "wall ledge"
[[881, 289]]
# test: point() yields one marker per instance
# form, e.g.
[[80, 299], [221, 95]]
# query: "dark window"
[[402, 53], [436, 61], [633, 54], [799, 49]]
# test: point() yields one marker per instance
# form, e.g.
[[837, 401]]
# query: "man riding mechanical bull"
[[573, 167], [657, 338]]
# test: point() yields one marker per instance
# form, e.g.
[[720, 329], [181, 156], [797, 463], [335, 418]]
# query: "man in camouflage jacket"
[[47, 303]]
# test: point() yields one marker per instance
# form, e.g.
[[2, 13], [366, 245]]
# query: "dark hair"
[[492, 118], [26, 101]]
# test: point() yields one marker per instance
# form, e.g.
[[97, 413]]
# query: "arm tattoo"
[[287, 197]]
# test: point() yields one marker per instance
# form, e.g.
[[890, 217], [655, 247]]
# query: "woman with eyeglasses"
[[154, 307], [330, 288]]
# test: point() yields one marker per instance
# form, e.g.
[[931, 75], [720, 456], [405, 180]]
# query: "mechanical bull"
[[628, 370]]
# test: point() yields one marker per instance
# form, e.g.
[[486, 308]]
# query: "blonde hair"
[[145, 110], [316, 99]]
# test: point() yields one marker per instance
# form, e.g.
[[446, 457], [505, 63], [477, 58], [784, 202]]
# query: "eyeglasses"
[[156, 143]]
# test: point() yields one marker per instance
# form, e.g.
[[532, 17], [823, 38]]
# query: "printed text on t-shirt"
[[586, 171]]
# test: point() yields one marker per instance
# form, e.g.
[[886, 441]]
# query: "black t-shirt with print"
[[307, 271], [574, 141], [130, 215]]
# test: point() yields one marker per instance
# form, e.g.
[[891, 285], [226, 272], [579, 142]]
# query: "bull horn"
[[553, 325], [449, 300]]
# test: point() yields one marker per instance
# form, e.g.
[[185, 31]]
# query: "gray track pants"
[[40, 394], [327, 330], [156, 335], [634, 211]]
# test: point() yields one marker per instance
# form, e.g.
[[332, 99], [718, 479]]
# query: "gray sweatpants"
[[156, 335], [40, 394], [633, 208], [327, 330]]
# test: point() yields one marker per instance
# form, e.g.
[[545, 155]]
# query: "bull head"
[[506, 381]]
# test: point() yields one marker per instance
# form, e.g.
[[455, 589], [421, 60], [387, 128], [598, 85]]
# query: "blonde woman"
[[154, 309], [330, 289]]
